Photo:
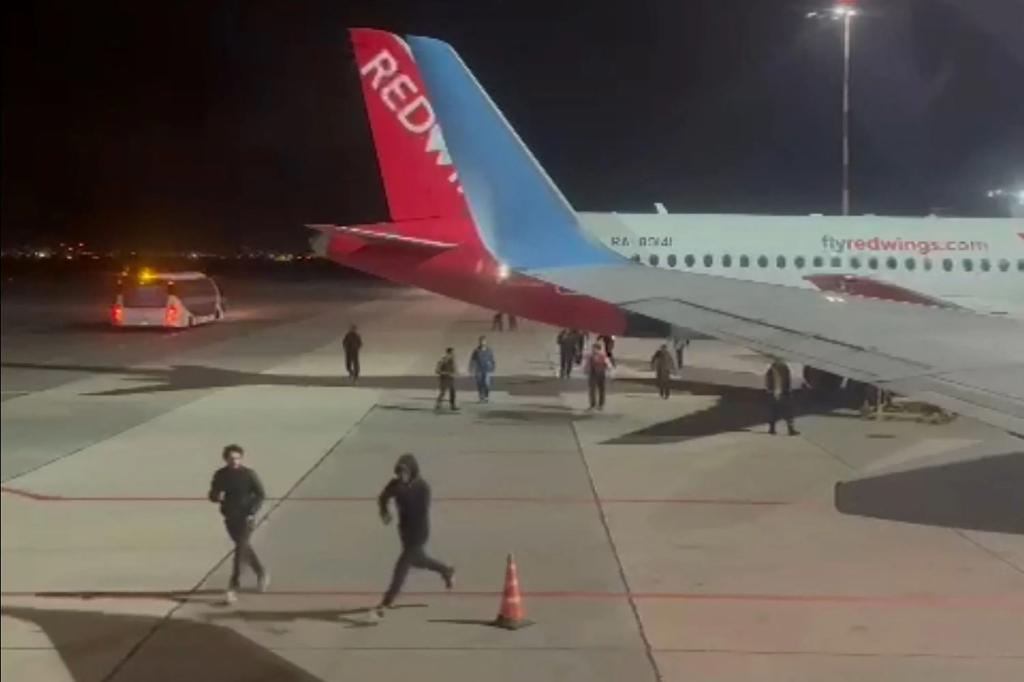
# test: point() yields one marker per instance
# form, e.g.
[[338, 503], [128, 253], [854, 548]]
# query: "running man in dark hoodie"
[[240, 493], [412, 497]]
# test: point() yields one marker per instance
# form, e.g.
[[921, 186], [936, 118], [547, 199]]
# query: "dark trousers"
[[568, 358], [483, 384], [596, 382], [240, 532], [664, 385], [446, 384], [780, 408], [352, 363], [679, 359], [412, 556]]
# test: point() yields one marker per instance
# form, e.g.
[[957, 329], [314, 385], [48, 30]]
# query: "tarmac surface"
[[657, 540]]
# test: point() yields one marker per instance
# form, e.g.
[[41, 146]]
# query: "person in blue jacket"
[[481, 366]]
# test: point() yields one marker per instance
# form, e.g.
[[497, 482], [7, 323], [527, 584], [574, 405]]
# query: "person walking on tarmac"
[[608, 341], [412, 497], [680, 346], [240, 494], [445, 371], [496, 322], [778, 384], [597, 372], [481, 366], [664, 367], [352, 343], [567, 349]]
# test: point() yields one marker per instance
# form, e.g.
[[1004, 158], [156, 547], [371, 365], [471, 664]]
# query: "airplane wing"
[[967, 362], [378, 234]]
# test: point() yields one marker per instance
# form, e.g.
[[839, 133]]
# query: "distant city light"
[[844, 8], [1018, 194]]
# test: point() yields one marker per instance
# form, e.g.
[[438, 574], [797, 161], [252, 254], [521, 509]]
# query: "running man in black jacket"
[[240, 493], [412, 497]]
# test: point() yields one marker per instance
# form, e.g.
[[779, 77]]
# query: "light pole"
[[847, 10], [844, 10]]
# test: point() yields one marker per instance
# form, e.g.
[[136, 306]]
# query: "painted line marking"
[[999, 602], [41, 497]]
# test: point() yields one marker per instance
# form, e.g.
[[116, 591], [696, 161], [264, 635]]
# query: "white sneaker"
[[230, 597], [263, 582]]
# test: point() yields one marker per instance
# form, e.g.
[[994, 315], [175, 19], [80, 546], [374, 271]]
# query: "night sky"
[[217, 124]]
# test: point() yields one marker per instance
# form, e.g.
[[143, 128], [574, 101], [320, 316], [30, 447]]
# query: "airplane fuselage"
[[970, 262]]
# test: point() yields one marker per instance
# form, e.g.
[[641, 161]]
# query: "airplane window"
[[780, 261], [672, 260], [855, 262], [927, 263], [910, 263], [709, 260], [689, 260], [799, 261], [873, 263], [744, 261], [986, 264], [947, 264], [837, 262], [727, 261], [653, 259], [1004, 265], [968, 264], [891, 263], [819, 261], [635, 258], [762, 261]]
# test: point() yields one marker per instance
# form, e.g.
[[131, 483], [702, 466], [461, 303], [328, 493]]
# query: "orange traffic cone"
[[511, 615]]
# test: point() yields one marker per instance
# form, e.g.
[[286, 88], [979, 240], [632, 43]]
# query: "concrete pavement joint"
[[615, 553]]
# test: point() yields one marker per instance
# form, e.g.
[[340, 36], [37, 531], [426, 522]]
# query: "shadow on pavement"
[[464, 621], [350, 617], [979, 494], [193, 377], [738, 409], [91, 644]]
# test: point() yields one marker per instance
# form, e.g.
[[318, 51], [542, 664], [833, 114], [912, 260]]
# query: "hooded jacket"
[[412, 500]]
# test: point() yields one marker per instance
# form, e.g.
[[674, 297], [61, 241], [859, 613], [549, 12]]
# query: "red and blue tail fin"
[[420, 180]]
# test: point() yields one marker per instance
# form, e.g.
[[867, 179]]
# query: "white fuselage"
[[976, 263]]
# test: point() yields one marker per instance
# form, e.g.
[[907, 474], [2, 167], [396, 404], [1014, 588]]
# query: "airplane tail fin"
[[420, 182], [518, 211], [478, 171]]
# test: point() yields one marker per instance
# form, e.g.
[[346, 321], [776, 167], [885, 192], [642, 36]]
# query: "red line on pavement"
[[923, 600], [37, 497]]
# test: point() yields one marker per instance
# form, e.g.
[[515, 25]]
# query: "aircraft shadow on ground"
[[199, 377], [92, 644], [738, 407], [978, 494]]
